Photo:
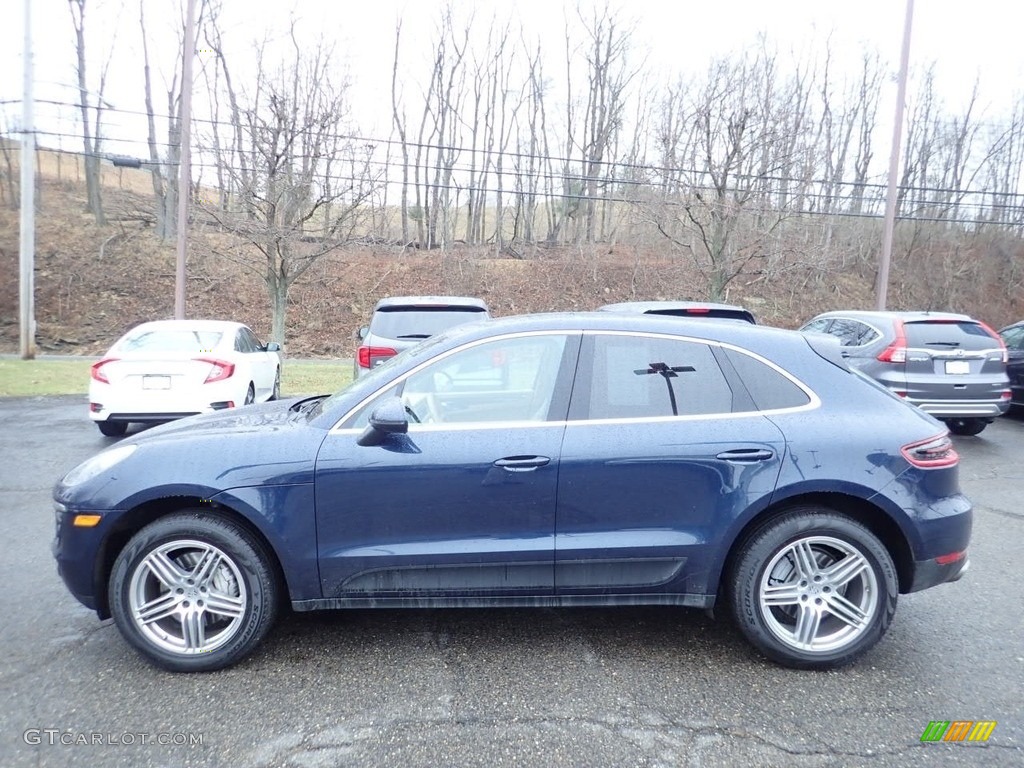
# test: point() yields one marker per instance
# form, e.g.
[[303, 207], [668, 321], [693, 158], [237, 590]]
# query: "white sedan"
[[175, 368]]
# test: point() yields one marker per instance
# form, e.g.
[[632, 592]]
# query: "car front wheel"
[[813, 589], [966, 427], [193, 592]]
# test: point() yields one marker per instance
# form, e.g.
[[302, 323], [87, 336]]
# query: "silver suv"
[[951, 366], [400, 322]]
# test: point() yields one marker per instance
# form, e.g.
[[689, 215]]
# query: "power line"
[[440, 147]]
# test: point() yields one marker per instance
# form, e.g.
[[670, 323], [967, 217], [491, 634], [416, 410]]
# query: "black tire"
[[250, 395], [966, 427], [275, 393], [112, 428], [786, 607], [184, 633]]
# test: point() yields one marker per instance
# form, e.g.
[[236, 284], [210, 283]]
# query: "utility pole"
[[185, 168], [27, 252], [882, 284]]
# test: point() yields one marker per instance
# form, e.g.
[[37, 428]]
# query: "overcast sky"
[[978, 39]]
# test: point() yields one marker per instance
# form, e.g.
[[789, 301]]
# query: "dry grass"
[[25, 378]]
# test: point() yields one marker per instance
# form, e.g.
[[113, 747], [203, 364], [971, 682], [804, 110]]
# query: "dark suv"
[[1013, 337], [697, 309], [952, 366], [400, 322]]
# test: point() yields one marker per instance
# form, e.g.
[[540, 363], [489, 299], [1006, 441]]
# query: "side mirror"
[[388, 418], [272, 346], [361, 332]]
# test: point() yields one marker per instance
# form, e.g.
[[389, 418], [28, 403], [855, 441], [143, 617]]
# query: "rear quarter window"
[[768, 388]]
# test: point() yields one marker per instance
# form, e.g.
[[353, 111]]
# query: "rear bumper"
[[144, 417], [962, 409], [929, 573]]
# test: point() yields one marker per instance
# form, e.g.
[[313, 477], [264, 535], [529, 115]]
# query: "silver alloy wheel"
[[187, 597], [818, 594]]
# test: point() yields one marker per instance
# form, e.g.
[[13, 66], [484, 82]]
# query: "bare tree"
[[609, 74], [164, 165], [91, 123], [8, 191], [399, 125], [733, 149], [298, 204]]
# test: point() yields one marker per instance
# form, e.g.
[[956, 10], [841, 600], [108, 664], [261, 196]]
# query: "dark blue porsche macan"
[[547, 460]]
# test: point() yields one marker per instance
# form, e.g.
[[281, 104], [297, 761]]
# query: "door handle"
[[522, 463], [746, 455]]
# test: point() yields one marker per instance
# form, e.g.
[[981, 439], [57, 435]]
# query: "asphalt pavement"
[[577, 687]]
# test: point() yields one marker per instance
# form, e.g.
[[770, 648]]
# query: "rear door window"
[[633, 377]]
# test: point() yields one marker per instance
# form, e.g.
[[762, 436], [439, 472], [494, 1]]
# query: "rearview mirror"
[[388, 418], [273, 346], [360, 333]]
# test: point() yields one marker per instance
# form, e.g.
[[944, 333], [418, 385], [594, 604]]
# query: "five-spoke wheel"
[[193, 592], [813, 588]]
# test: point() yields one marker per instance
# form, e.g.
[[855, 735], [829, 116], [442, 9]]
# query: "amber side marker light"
[[86, 521]]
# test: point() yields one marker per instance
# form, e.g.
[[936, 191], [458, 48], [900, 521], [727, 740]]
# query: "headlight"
[[98, 464]]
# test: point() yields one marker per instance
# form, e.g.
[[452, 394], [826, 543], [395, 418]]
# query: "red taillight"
[[698, 311], [365, 354], [897, 351], [934, 452], [952, 557], [220, 369], [1006, 395], [96, 371], [997, 337]]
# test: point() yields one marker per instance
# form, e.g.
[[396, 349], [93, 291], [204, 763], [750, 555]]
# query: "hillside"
[[84, 300]]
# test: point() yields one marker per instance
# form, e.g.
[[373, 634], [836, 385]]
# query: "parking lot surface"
[[575, 687]]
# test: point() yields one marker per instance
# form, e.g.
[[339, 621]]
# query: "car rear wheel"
[[112, 428], [966, 426], [193, 592], [813, 589]]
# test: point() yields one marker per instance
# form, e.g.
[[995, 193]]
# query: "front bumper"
[[77, 551]]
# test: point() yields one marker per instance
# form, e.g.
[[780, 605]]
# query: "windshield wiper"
[[306, 403], [414, 336]]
